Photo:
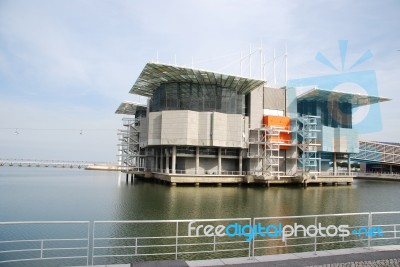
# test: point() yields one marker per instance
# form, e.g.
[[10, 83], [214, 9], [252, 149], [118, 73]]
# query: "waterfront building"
[[200, 126]]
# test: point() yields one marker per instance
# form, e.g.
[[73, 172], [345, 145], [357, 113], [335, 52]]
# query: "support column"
[[166, 161], [173, 159], [334, 164], [153, 159], [348, 164], [219, 161], [161, 160], [156, 152], [197, 159], [263, 165], [240, 162], [391, 170], [319, 162]]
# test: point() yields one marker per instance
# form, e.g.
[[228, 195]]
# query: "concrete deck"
[[197, 179], [376, 256]]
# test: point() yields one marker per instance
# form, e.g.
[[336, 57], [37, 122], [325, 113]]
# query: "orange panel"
[[279, 121], [285, 137]]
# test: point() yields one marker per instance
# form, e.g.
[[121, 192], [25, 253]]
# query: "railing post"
[[315, 238], [88, 244], [369, 227], [214, 244], [136, 246], [176, 240], [41, 249], [93, 237], [252, 244]]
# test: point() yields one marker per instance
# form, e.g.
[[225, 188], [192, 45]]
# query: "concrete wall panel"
[[154, 128], [256, 107], [185, 127]]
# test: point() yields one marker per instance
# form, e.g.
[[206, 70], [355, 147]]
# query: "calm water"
[[72, 194], [41, 194]]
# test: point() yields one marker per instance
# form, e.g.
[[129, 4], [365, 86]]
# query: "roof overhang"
[[129, 108], [356, 100], [155, 74]]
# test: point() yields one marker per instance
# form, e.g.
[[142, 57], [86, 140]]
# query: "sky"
[[65, 66]]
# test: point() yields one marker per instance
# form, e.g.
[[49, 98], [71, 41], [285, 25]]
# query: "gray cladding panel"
[[274, 98], [186, 127]]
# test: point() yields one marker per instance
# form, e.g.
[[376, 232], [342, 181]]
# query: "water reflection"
[[144, 200], [64, 194]]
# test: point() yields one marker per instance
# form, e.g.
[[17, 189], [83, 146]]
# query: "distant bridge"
[[47, 163]]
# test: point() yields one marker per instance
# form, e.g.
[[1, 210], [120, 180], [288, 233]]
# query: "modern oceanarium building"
[[200, 126]]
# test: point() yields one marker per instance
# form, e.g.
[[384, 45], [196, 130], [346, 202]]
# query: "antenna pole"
[[241, 63], [273, 66], [261, 63], [263, 67], [250, 62], [286, 65]]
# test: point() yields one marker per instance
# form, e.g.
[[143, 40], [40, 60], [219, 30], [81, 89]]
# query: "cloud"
[[74, 61]]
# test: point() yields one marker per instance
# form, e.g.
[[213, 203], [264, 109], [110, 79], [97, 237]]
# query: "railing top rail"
[[312, 216], [43, 239], [45, 222], [385, 212], [174, 221], [201, 219]]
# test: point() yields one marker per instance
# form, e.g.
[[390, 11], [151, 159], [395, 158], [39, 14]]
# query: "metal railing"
[[215, 172], [110, 242], [236, 173], [362, 232], [379, 174], [167, 238], [201, 172], [339, 173], [42, 247]]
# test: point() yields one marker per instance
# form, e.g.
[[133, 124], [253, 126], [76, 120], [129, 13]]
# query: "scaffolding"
[[131, 156], [308, 133], [268, 144]]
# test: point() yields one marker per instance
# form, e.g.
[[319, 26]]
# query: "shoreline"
[[102, 168]]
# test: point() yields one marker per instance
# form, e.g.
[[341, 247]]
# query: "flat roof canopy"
[[155, 74], [129, 108], [356, 100]]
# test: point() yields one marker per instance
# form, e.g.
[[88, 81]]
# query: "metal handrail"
[[173, 243], [43, 241], [178, 242], [315, 243]]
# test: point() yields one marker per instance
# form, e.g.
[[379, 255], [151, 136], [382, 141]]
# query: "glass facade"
[[333, 113], [197, 97]]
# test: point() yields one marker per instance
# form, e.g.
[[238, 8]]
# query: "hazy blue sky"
[[68, 64]]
